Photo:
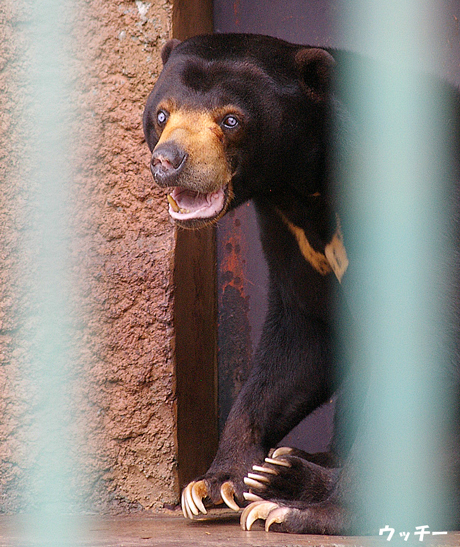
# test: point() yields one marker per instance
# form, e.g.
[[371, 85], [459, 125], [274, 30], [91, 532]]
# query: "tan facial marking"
[[217, 132], [202, 138]]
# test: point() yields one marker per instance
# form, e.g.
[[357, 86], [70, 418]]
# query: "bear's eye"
[[230, 122], [162, 117]]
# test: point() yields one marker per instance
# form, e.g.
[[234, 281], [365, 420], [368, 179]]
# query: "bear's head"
[[232, 117]]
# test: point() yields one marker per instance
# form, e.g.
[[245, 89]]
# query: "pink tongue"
[[187, 199], [196, 205]]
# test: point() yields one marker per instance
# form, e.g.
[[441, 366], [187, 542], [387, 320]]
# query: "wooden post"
[[195, 313]]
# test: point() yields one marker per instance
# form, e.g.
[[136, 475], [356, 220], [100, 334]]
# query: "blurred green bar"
[[49, 518], [394, 220]]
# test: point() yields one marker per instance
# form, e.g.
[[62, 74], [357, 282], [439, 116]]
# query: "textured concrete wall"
[[12, 100], [124, 405]]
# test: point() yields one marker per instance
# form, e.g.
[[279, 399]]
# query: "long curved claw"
[[283, 463], [257, 477], [250, 496], [199, 492], [188, 506], [263, 469], [281, 451], [192, 497], [259, 481], [278, 515], [255, 511], [227, 491], [248, 481], [185, 509]]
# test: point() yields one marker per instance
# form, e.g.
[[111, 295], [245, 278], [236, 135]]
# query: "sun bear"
[[239, 117]]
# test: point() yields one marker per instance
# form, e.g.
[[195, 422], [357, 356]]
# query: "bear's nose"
[[167, 162]]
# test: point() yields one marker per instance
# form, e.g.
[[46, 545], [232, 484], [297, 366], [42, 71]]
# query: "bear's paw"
[[196, 492], [269, 511]]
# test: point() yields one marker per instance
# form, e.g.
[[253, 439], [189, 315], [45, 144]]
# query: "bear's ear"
[[315, 66], [167, 48]]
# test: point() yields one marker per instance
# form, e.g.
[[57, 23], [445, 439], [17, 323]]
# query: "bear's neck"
[[310, 213]]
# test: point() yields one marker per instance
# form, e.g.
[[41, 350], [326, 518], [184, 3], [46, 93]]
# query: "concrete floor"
[[221, 530]]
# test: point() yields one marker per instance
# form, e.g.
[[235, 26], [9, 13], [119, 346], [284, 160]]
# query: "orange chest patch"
[[334, 259]]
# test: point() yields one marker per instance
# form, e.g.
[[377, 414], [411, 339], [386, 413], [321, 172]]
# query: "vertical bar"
[[396, 199], [46, 255]]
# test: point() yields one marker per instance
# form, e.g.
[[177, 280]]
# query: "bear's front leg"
[[240, 447], [289, 379]]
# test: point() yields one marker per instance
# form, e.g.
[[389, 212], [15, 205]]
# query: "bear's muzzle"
[[167, 162]]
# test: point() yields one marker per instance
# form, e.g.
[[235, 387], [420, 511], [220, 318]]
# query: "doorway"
[[242, 271]]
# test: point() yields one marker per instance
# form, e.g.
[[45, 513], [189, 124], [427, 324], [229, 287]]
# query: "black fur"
[[281, 159]]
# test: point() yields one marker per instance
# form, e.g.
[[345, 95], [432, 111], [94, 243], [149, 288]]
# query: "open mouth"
[[187, 204]]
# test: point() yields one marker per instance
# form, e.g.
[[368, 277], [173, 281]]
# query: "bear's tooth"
[[173, 204]]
